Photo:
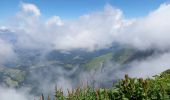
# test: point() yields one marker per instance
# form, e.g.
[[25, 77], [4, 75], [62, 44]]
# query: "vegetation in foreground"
[[156, 88]]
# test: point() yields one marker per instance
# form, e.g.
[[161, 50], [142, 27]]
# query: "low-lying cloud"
[[150, 67], [6, 52], [149, 32], [9, 93]]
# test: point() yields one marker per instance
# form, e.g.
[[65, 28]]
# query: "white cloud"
[[151, 31], [30, 8], [2, 28], [6, 51], [12, 94], [93, 31], [90, 32], [151, 66], [55, 20], [96, 30]]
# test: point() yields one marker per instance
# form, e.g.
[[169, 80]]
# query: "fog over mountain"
[[58, 52]]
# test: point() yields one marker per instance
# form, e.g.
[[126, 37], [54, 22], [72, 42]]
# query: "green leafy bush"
[[156, 88]]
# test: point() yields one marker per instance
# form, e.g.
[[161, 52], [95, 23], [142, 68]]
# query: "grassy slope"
[[98, 61], [12, 77], [123, 55], [120, 57]]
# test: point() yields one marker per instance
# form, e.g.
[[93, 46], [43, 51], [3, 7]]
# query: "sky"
[[72, 9]]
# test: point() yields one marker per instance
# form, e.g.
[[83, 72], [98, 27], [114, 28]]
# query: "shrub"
[[156, 88]]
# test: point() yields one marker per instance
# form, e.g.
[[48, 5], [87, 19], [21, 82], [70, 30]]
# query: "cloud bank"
[[9, 93], [151, 31], [6, 51], [89, 32], [92, 31]]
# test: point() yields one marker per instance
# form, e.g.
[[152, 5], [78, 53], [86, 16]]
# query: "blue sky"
[[71, 9]]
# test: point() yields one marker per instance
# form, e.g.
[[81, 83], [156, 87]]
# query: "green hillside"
[[98, 61], [123, 55], [12, 77]]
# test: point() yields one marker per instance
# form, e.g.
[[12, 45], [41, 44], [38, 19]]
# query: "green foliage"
[[155, 88], [9, 82], [15, 74], [123, 55], [98, 61], [143, 89]]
